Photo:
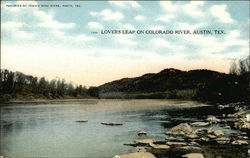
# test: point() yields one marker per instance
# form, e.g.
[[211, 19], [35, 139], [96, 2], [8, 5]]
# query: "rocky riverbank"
[[227, 131]]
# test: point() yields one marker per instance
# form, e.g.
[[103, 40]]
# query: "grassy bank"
[[4, 98], [189, 94]]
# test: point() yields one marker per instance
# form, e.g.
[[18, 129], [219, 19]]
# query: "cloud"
[[233, 34], [158, 27], [84, 38], [203, 44], [165, 18], [12, 25], [14, 28], [174, 10], [93, 13], [48, 21], [213, 44], [108, 15], [94, 25], [100, 70], [43, 19], [160, 42], [233, 39], [168, 6], [42, 25], [128, 27], [220, 12], [56, 25], [39, 19], [125, 4], [193, 9], [187, 26], [140, 18], [75, 39], [125, 40], [58, 34], [25, 35]]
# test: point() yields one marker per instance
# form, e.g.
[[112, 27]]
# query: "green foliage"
[[93, 91], [202, 85], [16, 83], [166, 80], [151, 96]]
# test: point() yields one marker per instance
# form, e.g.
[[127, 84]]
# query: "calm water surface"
[[48, 129]]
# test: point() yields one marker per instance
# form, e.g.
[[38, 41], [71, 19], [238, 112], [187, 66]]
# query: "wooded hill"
[[203, 85]]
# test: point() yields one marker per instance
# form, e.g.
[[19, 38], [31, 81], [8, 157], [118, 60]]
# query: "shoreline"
[[39, 100], [18, 98], [48, 100], [194, 139]]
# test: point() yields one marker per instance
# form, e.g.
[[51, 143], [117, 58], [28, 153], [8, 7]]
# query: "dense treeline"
[[232, 87], [17, 83], [202, 85]]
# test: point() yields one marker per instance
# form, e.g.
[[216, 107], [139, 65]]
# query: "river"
[[49, 129]]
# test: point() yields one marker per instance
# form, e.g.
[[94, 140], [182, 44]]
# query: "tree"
[[10, 82], [70, 89], [61, 87], [52, 87], [43, 86], [93, 92], [244, 66], [19, 82], [233, 68], [240, 68], [34, 85]]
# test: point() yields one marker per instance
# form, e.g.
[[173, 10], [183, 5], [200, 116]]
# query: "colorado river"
[[49, 129]]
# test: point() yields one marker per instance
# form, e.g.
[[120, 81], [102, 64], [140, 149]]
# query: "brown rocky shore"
[[200, 139]]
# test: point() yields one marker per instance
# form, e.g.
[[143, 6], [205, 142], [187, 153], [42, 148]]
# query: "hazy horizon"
[[68, 81], [57, 42]]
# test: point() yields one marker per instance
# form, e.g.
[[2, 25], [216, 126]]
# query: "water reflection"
[[48, 129]]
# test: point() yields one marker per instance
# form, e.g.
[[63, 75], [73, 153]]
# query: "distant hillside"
[[201, 85], [172, 83], [167, 79]]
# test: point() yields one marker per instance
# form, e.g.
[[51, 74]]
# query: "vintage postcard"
[[124, 79]]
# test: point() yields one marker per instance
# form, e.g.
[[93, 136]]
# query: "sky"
[[58, 43]]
